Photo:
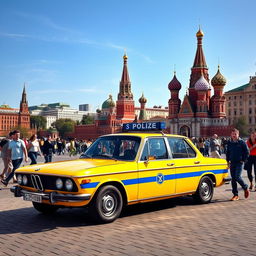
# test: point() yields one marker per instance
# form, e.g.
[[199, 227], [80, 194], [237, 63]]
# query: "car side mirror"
[[150, 158]]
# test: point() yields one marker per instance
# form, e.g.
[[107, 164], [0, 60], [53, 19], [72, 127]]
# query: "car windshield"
[[114, 147]]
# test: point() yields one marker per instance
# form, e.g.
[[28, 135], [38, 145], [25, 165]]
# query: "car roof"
[[145, 135]]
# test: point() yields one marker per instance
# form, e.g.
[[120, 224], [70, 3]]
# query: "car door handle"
[[197, 162], [171, 164]]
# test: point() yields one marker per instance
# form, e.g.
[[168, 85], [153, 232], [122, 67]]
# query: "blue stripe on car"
[[153, 178]]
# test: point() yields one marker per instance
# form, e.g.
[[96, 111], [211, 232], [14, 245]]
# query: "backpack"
[[3, 142]]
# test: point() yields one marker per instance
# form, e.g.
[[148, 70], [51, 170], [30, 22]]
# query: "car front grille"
[[46, 182]]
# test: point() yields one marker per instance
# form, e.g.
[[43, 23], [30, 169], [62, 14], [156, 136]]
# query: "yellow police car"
[[123, 169]]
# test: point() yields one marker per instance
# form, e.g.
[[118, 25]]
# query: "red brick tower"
[[218, 99], [24, 116], [125, 103], [174, 102], [199, 68]]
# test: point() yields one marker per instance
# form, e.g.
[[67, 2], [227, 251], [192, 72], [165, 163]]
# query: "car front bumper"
[[52, 197]]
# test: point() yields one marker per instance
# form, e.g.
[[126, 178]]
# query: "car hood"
[[71, 167]]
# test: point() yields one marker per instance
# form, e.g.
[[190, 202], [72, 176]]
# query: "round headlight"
[[25, 180], [19, 179], [69, 184], [59, 183]]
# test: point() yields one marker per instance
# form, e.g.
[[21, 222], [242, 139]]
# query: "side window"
[[180, 148], [191, 152], [144, 155], [157, 148]]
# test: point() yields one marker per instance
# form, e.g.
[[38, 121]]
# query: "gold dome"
[[142, 99], [125, 57], [218, 79], [199, 33]]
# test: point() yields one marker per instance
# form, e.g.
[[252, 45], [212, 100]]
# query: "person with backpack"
[[6, 156], [18, 150]]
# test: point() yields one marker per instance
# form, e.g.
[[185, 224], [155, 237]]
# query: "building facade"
[[12, 118], [55, 111], [199, 114], [241, 102]]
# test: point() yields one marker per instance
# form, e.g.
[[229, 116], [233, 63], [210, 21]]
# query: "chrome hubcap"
[[205, 190], [108, 204]]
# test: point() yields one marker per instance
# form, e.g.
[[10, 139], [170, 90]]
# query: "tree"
[[241, 125], [38, 122], [87, 119], [64, 126], [24, 132]]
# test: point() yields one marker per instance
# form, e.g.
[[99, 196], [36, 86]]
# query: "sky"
[[72, 51]]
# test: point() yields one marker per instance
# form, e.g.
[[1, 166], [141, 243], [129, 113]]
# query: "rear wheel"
[[107, 205], [45, 208], [204, 191]]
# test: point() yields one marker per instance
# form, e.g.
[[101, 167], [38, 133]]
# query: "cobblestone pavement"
[[170, 227]]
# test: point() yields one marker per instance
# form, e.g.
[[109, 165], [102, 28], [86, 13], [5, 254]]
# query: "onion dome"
[[218, 79], [109, 103], [202, 84], [98, 110], [142, 99], [125, 57], [199, 33], [174, 84]]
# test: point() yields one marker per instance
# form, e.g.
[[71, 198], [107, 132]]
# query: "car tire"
[[45, 208], [204, 191], [107, 205]]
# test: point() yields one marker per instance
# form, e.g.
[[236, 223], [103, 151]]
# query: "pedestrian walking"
[[33, 148], [251, 162], [215, 147], [48, 149], [17, 150], [237, 154], [5, 155], [200, 146]]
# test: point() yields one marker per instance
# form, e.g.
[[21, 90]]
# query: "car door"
[[155, 170], [186, 164]]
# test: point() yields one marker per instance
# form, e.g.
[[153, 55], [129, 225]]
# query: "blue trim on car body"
[[154, 178]]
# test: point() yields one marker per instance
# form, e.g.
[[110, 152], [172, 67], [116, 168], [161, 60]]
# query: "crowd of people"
[[240, 154], [14, 150]]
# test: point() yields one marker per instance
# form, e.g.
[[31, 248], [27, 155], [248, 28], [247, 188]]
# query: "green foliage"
[[24, 132], [241, 125], [87, 119], [64, 126], [38, 122]]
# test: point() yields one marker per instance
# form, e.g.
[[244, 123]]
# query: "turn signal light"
[[86, 181]]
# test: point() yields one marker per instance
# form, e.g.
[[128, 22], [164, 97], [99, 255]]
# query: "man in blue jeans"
[[237, 154], [17, 148]]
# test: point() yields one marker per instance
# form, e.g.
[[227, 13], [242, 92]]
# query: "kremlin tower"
[[125, 103]]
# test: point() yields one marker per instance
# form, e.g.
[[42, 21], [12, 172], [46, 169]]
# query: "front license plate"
[[32, 198]]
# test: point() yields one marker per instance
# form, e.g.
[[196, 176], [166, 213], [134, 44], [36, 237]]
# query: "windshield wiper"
[[103, 156]]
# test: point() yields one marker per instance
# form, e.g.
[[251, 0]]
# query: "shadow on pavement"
[[28, 220]]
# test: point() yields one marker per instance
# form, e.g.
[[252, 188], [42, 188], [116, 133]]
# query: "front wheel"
[[107, 205], [204, 191], [45, 208]]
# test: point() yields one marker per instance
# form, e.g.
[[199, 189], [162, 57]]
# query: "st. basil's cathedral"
[[198, 115]]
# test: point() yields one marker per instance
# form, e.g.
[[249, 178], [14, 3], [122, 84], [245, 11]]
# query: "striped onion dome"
[[174, 84], [218, 79], [202, 84]]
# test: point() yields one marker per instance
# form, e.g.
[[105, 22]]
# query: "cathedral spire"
[[199, 61], [125, 103], [24, 95], [125, 83]]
